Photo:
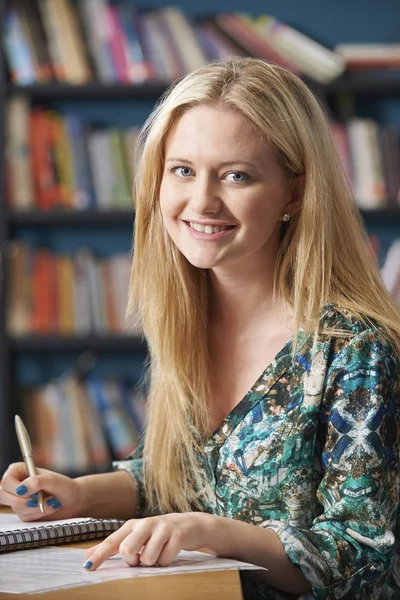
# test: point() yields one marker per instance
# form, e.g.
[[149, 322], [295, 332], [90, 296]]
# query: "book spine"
[[82, 193], [93, 18], [369, 187], [50, 22], [17, 49], [188, 47], [117, 45], [81, 295], [174, 64], [244, 32], [136, 62], [65, 289], [27, 29], [312, 58], [18, 318], [18, 160]]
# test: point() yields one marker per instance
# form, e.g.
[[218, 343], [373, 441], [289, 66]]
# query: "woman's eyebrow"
[[224, 163]]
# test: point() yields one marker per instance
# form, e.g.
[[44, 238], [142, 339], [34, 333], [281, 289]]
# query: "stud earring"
[[286, 217]]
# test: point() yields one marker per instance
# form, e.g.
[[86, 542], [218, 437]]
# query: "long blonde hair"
[[323, 257]]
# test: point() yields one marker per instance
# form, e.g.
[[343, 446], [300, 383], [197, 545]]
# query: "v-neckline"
[[260, 388]]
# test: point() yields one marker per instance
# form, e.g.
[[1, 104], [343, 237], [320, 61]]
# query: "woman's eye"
[[182, 171], [238, 177]]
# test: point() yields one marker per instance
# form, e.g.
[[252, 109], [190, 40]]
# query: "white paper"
[[10, 522], [45, 569]]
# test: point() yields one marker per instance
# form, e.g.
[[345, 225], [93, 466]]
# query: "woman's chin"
[[202, 262]]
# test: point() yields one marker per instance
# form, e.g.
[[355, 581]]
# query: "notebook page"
[[45, 569], [11, 522]]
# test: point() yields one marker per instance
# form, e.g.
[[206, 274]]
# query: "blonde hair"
[[323, 257]]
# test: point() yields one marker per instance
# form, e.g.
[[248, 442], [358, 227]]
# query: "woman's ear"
[[297, 186]]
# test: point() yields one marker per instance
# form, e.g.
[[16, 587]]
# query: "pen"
[[26, 449]]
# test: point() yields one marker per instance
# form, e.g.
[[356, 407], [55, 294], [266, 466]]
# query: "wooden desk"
[[224, 585]]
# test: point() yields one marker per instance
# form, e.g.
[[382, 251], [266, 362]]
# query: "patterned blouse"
[[311, 452]]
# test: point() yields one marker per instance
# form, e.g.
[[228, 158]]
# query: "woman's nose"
[[205, 197]]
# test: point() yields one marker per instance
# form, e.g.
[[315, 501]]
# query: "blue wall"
[[331, 22]]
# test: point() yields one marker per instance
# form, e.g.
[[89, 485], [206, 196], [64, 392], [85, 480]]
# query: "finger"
[[15, 475], [89, 551], [11, 499], [27, 509], [152, 550], [109, 546], [43, 481], [169, 552]]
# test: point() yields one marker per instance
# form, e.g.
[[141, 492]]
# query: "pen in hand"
[[26, 449]]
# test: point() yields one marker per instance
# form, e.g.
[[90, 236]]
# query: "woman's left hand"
[[154, 540]]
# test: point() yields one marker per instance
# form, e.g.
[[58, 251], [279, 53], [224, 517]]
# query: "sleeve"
[[348, 551], [134, 465]]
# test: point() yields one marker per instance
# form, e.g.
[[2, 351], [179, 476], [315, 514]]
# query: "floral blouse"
[[311, 452]]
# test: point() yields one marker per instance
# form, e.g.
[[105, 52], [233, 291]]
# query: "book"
[[245, 33], [93, 18], [309, 56], [183, 37], [18, 159], [16, 535], [369, 56], [51, 27], [368, 184], [22, 70], [390, 146], [39, 40]]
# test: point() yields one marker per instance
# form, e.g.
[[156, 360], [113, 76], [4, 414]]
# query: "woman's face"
[[223, 193]]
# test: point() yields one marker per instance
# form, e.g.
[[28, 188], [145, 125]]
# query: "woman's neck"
[[240, 302]]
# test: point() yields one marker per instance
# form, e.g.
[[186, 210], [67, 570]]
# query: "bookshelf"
[[364, 83], [70, 218], [96, 344], [369, 82]]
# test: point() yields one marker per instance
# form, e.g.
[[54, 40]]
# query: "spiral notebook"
[[18, 535]]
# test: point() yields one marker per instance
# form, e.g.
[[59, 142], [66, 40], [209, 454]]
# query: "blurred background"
[[77, 80]]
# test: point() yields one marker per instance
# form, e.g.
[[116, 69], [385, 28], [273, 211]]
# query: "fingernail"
[[88, 564], [56, 505], [36, 495], [32, 503], [51, 501], [21, 490]]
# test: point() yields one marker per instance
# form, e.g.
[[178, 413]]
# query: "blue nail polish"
[[51, 501], [56, 505], [87, 564], [21, 490], [32, 503], [36, 495]]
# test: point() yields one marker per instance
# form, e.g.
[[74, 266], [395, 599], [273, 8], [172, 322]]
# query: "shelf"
[[54, 343], [380, 81], [73, 217], [92, 90], [383, 216], [126, 217]]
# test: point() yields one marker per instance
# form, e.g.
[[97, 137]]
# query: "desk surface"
[[223, 585]]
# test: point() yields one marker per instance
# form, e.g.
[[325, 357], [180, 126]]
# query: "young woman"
[[273, 418]]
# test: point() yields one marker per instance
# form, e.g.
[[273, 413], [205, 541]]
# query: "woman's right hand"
[[60, 494]]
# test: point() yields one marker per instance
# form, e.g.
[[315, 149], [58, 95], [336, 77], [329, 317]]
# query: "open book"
[[18, 535]]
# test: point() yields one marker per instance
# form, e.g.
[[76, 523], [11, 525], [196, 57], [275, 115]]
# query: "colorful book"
[[309, 56]]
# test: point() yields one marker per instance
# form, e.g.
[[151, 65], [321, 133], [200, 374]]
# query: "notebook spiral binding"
[[23, 539]]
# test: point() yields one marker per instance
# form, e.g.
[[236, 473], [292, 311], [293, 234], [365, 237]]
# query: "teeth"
[[207, 228]]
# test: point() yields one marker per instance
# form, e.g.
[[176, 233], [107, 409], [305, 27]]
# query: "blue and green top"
[[311, 452]]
